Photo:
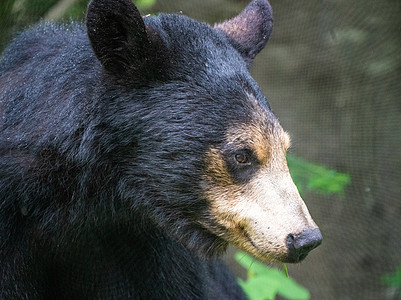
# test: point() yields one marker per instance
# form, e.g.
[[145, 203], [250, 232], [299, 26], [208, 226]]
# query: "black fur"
[[102, 152]]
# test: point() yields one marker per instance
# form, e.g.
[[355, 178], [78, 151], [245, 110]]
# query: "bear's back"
[[45, 42], [48, 79]]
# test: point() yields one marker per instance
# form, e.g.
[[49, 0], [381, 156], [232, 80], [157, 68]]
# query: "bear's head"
[[201, 156]]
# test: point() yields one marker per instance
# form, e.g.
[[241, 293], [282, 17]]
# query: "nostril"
[[291, 239], [299, 245]]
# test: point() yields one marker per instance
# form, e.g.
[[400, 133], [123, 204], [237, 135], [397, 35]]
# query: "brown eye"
[[241, 158]]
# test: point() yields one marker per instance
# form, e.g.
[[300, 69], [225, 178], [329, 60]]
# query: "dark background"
[[332, 74]]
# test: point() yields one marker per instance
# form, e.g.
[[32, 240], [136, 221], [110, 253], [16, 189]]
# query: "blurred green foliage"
[[317, 178], [77, 11], [15, 15], [144, 4]]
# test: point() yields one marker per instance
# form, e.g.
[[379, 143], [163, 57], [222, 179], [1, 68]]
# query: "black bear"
[[133, 150]]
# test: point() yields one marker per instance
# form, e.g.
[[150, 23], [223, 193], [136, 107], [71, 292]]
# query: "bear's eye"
[[241, 164], [242, 158]]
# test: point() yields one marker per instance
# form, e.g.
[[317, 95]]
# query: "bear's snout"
[[299, 245]]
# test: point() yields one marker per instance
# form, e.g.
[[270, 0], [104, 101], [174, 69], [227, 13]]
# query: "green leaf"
[[265, 283], [268, 286], [254, 267], [257, 289], [292, 290]]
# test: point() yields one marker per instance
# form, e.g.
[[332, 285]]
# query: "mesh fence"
[[332, 74]]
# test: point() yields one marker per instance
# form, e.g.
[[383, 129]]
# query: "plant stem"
[[285, 270]]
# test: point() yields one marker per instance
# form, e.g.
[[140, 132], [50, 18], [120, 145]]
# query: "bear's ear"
[[123, 44], [250, 30]]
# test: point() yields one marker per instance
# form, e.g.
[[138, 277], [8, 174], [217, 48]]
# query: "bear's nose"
[[300, 244]]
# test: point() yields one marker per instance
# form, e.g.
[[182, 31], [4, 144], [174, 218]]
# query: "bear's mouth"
[[256, 251], [260, 242], [297, 247], [239, 236]]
